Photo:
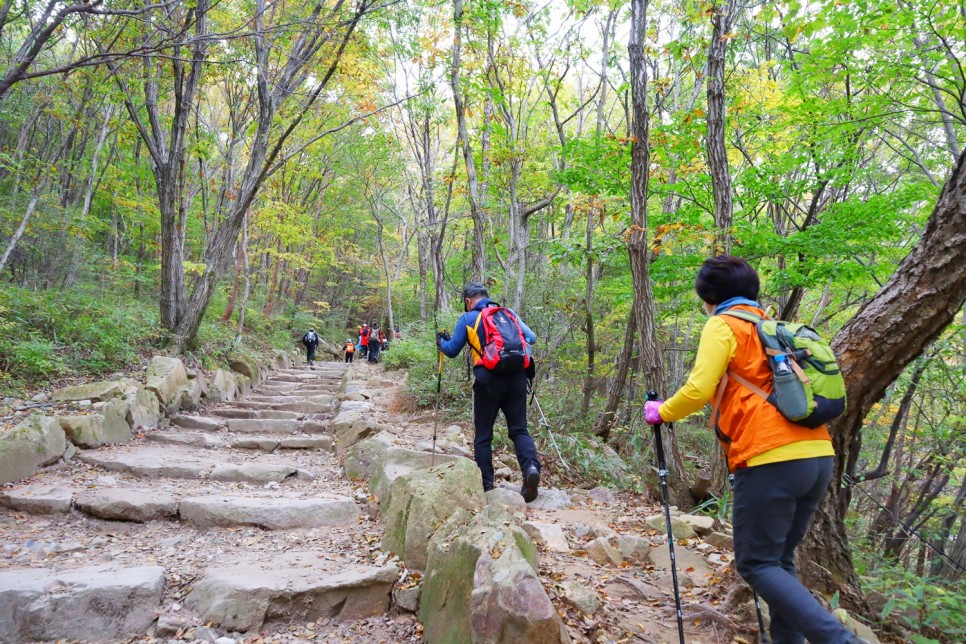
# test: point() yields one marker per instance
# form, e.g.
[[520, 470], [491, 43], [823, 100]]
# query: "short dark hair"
[[724, 277], [473, 289]]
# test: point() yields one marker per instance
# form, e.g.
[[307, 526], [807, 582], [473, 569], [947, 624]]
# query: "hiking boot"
[[531, 481]]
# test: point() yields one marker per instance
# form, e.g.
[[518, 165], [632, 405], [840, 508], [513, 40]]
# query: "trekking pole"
[[546, 425], [439, 382], [662, 474], [761, 620]]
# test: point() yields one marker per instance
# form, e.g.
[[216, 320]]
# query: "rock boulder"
[[165, 376], [93, 391], [109, 426], [423, 500], [482, 585], [37, 441]]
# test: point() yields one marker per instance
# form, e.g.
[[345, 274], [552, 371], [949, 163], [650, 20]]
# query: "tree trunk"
[[615, 395], [889, 332], [248, 281], [721, 19], [479, 240]]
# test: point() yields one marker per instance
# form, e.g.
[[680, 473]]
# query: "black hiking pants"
[[773, 505], [492, 393], [348, 357], [310, 352]]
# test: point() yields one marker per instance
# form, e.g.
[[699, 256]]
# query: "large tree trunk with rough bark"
[[721, 20], [479, 224], [651, 362], [889, 332]]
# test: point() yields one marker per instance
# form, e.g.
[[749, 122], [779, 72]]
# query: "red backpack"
[[504, 347]]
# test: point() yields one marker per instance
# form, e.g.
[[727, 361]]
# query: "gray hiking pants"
[[773, 505]]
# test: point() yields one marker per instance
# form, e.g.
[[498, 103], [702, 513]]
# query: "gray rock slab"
[[256, 442], [269, 512], [679, 528], [510, 498], [98, 603], [253, 472], [204, 423], [152, 462], [262, 426], [197, 439], [274, 399], [702, 524], [233, 412], [276, 389], [294, 587], [686, 560], [93, 391], [120, 504], [551, 499], [720, 540], [303, 407], [39, 498], [313, 427], [547, 535], [308, 442], [583, 598]]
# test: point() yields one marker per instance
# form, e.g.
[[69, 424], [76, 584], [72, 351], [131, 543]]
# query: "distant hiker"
[[364, 339], [349, 350], [374, 345], [311, 342], [382, 339], [781, 469], [500, 341]]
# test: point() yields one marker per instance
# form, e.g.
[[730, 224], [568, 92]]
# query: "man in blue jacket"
[[493, 392]]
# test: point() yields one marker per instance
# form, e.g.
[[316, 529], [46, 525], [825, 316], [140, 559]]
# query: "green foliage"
[[88, 331], [933, 609]]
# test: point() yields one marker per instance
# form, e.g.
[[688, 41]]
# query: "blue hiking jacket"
[[455, 344]]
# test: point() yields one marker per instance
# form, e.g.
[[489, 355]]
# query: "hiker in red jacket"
[[364, 340]]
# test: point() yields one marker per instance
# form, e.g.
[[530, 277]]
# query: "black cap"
[[474, 288]]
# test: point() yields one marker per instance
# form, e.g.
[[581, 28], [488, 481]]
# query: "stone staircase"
[[232, 521]]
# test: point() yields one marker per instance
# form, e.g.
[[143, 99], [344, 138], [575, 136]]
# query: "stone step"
[[231, 412], [124, 504], [303, 407], [290, 378], [197, 439], [277, 388], [262, 426], [276, 399], [152, 462], [198, 422], [38, 498], [257, 472], [272, 443], [309, 392], [269, 512], [295, 587], [182, 463], [95, 603]]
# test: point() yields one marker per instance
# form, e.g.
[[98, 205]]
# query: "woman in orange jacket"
[[781, 470]]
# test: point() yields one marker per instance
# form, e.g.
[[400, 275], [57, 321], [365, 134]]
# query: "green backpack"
[[812, 391]]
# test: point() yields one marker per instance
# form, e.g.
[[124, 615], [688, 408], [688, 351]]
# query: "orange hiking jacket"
[[747, 425]]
